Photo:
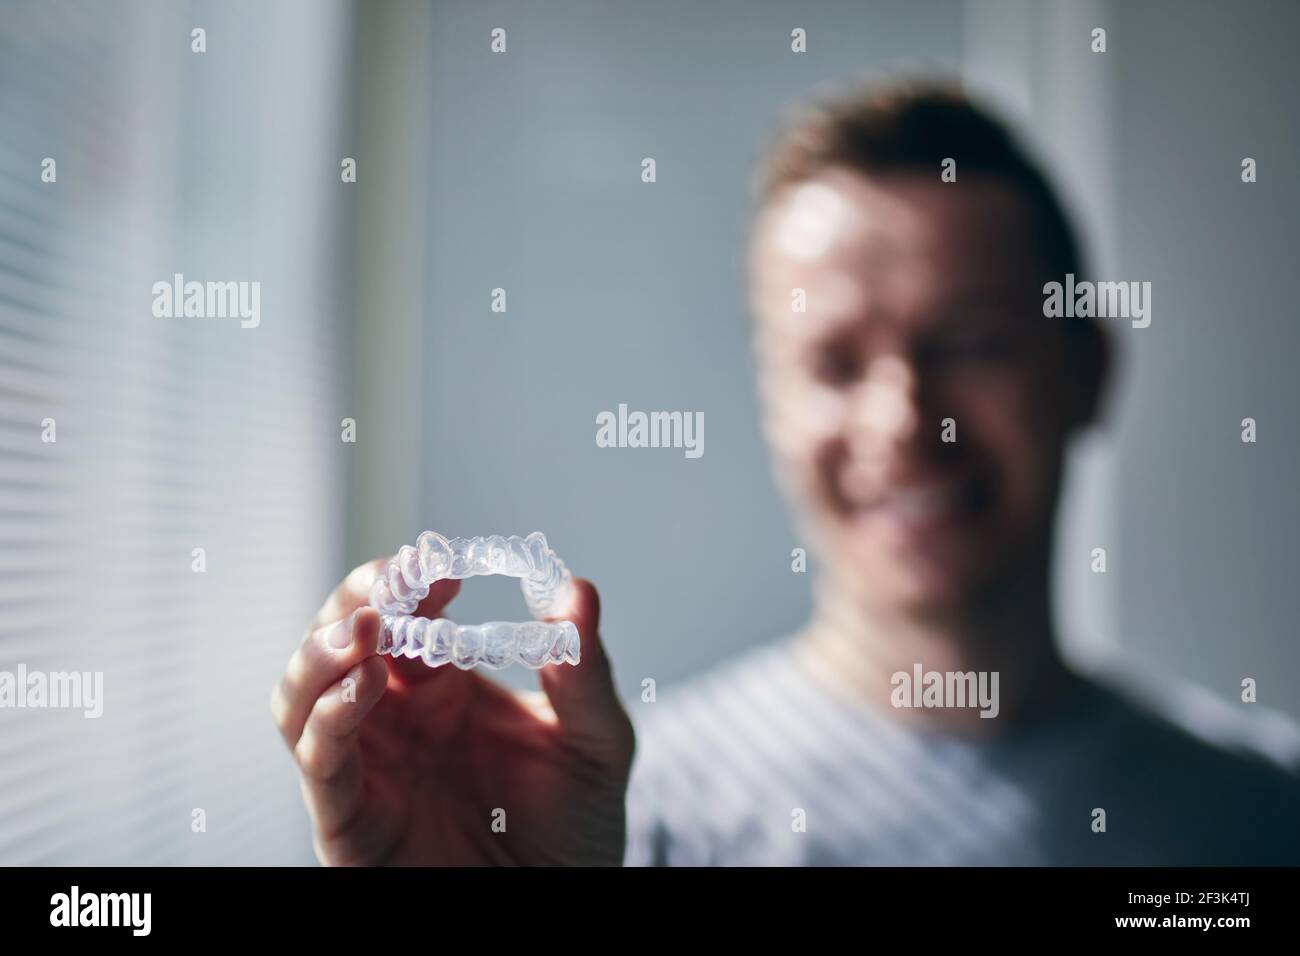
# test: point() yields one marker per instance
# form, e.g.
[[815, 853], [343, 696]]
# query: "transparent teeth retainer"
[[544, 580]]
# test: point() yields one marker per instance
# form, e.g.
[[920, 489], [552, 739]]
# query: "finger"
[[410, 670], [331, 728], [538, 705], [323, 658], [328, 753], [585, 702], [353, 592], [440, 595]]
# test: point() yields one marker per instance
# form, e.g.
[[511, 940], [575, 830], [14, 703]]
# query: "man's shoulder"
[[1199, 779], [1187, 722], [1179, 725], [1187, 772]]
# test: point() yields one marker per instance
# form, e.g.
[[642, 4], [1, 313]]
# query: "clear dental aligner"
[[544, 580]]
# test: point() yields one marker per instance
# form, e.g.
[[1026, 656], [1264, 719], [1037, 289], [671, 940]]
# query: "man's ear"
[[1089, 359]]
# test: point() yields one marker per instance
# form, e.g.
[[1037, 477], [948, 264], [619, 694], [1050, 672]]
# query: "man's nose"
[[886, 410]]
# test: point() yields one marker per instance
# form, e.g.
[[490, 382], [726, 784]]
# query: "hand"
[[402, 763]]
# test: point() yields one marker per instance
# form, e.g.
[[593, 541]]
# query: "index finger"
[[353, 592]]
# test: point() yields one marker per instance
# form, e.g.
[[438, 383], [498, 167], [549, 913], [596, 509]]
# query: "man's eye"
[[839, 368], [973, 348]]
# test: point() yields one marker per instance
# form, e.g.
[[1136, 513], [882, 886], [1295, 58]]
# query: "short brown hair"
[[912, 127]]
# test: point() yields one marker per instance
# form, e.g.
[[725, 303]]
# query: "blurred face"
[[921, 321]]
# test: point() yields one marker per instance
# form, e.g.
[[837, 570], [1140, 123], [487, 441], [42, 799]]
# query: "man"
[[918, 404]]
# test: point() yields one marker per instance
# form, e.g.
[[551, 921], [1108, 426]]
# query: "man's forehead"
[[841, 213], [835, 213], [851, 243]]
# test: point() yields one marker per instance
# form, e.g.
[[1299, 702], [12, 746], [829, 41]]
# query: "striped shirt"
[[756, 763]]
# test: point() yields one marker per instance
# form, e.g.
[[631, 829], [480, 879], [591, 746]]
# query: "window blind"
[[170, 434]]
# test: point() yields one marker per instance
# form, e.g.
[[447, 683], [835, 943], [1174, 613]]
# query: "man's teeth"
[[922, 503]]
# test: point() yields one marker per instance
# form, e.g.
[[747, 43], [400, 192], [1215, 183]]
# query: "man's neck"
[[854, 647]]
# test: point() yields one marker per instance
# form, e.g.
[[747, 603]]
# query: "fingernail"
[[340, 635]]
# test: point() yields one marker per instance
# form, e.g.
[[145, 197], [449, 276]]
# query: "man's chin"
[[914, 594], [917, 585]]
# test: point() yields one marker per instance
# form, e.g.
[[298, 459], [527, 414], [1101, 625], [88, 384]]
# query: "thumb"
[[583, 697]]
